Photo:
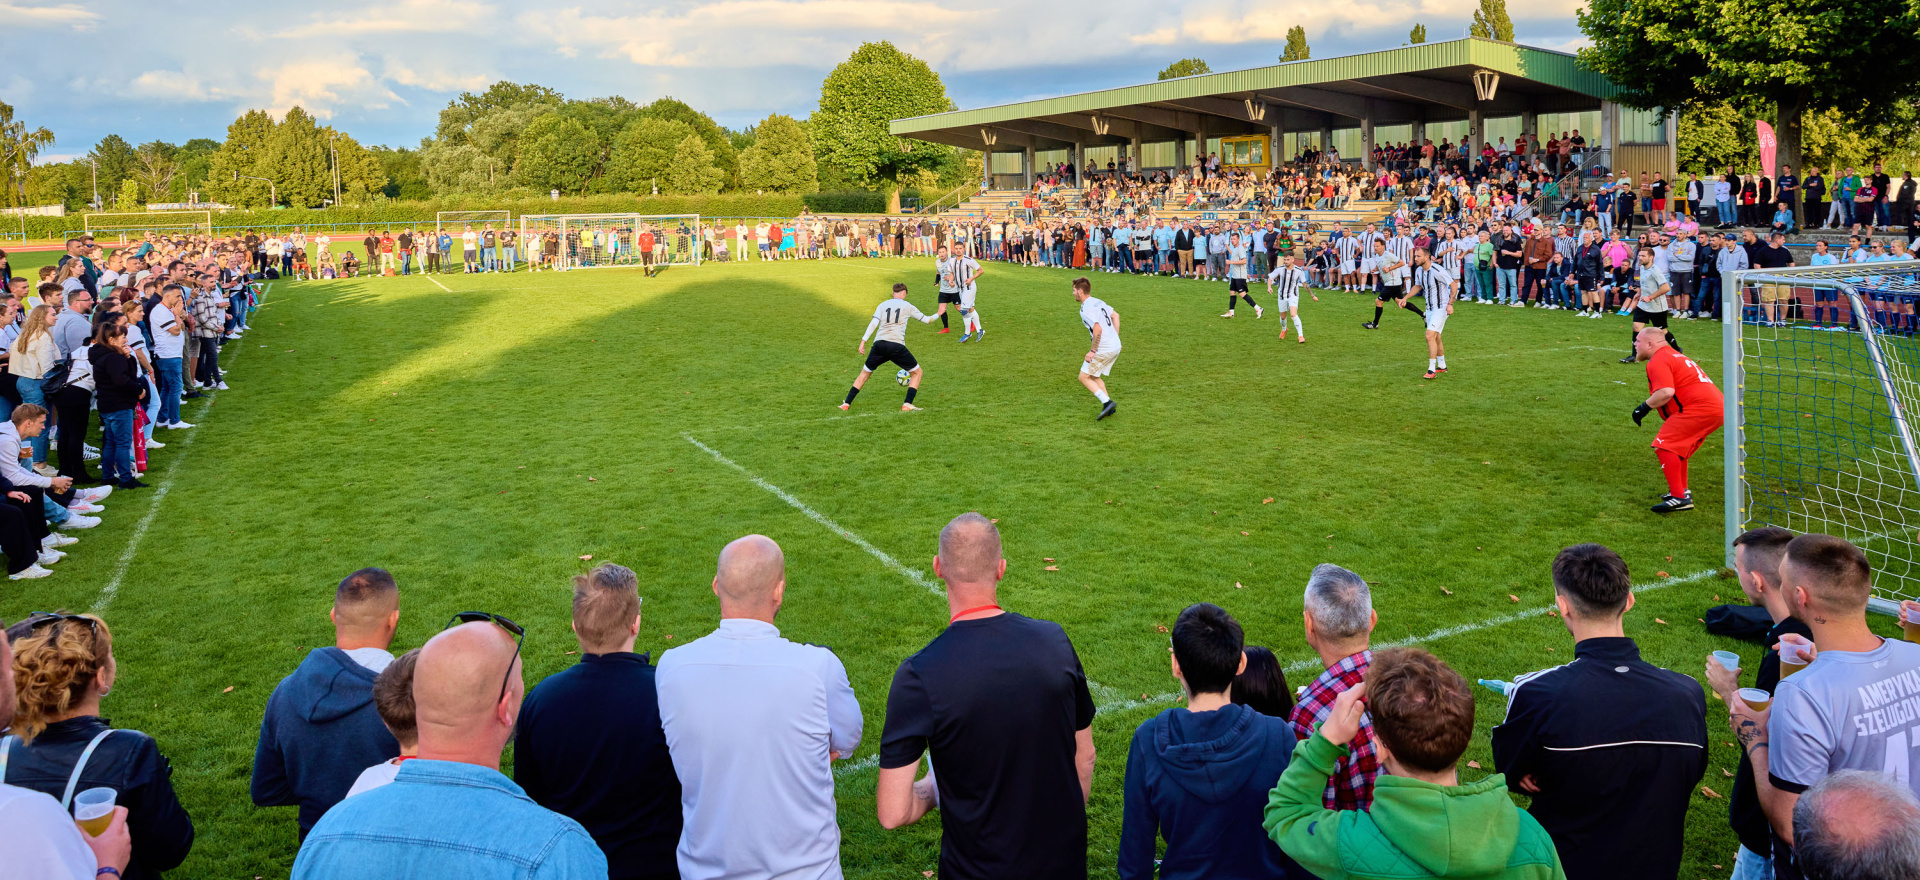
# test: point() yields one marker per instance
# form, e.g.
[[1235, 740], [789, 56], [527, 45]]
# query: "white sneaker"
[[220, 387], [79, 506], [180, 425], [233, 336], [80, 521], [49, 557], [31, 571], [91, 456], [55, 539], [155, 444], [93, 495], [46, 470]]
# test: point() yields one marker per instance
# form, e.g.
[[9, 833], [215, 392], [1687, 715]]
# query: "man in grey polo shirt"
[[753, 722], [1855, 707], [73, 327]]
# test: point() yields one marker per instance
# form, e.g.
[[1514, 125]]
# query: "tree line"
[[515, 141]]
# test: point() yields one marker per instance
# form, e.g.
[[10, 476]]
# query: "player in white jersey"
[[1393, 283], [889, 331], [947, 272], [967, 273], [1103, 329], [1286, 282], [1370, 257], [1350, 253], [1237, 276], [1438, 287]]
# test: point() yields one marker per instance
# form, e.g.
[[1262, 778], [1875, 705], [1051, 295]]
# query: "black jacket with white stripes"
[[1615, 746]]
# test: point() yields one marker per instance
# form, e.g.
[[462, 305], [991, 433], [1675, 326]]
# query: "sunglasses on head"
[[518, 632], [38, 619]]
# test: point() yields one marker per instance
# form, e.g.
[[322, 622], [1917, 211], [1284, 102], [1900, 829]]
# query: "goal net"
[[589, 241], [1823, 415], [126, 224], [457, 222]]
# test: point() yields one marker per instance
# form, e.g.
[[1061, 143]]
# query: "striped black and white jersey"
[[1402, 247], [1451, 256], [1350, 249], [1288, 282], [1436, 286]]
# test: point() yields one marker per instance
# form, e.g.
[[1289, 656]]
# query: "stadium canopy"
[[1483, 89]]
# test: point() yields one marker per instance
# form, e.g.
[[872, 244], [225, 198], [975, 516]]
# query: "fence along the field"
[[1822, 413]]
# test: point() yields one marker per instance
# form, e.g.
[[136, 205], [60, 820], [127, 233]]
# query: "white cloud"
[[322, 86], [403, 17], [72, 15], [435, 79], [759, 33], [168, 85]]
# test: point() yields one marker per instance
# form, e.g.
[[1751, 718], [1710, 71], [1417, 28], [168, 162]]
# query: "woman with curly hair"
[[63, 666]]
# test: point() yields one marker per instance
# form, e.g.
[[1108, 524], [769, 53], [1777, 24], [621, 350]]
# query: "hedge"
[[421, 213]]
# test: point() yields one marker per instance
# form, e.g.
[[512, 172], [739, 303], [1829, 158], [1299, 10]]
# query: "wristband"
[[106, 871]]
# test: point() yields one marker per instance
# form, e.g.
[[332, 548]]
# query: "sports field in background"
[[487, 437]]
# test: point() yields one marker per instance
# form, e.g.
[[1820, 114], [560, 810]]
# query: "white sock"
[[1102, 397], [1296, 326], [1443, 362], [1432, 362]]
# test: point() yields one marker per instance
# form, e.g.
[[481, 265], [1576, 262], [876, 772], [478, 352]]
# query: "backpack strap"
[[73, 781], [6, 747]]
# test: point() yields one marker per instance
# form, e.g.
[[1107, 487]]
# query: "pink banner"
[[1768, 147]]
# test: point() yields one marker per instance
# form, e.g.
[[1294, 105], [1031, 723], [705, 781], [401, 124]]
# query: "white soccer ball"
[[902, 377]]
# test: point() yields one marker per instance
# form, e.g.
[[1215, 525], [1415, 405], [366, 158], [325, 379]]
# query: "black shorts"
[[946, 297], [1236, 285], [1586, 283], [884, 351], [1651, 319], [646, 256], [1392, 291]]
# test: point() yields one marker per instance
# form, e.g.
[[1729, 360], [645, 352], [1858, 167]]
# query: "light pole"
[[335, 156], [273, 192], [96, 181]]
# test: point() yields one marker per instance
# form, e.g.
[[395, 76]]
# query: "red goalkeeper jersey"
[[1693, 392]]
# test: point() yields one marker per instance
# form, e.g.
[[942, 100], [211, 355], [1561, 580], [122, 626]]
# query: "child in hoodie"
[[1424, 823], [1198, 776]]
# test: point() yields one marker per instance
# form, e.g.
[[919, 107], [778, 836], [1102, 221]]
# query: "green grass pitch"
[[483, 440]]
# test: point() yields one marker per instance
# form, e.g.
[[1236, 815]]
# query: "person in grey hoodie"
[[1199, 776], [321, 729]]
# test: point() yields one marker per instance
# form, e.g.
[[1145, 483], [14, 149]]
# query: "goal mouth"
[[1822, 368], [603, 241]]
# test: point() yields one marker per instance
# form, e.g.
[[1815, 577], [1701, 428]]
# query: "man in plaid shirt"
[[1339, 621]]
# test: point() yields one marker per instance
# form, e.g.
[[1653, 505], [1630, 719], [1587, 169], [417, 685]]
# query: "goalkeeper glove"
[[1640, 412]]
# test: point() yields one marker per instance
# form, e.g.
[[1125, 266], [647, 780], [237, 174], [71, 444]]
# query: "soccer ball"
[[902, 377]]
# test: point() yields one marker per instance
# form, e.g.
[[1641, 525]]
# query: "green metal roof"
[[1555, 70]]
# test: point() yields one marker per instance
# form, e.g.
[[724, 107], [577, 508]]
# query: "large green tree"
[[781, 158], [692, 171], [114, 161], [19, 146], [1856, 56], [240, 157], [874, 86], [406, 178], [557, 152], [642, 153], [298, 161], [725, 155], [156, 163], [1185, 67], [1490, 21], [461, 113], [1297, 48], [1417, 35]]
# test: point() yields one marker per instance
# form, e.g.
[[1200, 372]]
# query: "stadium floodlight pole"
[[334, 155]]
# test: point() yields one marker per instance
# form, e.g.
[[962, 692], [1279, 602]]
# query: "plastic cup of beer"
[[1793, 658], [93, 810], [1728, 659], [1910, 622], [1755, 698]]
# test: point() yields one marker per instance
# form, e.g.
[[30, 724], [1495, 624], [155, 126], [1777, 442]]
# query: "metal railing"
[[955, 196], [1541, 204]]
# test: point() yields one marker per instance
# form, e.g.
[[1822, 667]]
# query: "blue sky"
[[383, 70]]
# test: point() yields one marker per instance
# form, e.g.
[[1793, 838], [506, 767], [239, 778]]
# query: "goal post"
[[460, 221], [123, 223], [598, 241], [1822, 371]]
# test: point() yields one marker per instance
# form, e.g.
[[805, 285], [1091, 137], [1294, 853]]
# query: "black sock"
[[1377, 311], [1674, 342], [1410, 307], [943, 320], [911, 391], [1231, 299], [1249, 300], [851, 392]]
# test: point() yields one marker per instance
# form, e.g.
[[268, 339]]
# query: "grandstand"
[[1470, 88]]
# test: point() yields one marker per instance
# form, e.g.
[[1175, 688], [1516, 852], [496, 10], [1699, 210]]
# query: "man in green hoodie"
[[1424, 823]]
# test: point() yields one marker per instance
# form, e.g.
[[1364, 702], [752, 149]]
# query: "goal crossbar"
[[1822, 371], [196, 219]]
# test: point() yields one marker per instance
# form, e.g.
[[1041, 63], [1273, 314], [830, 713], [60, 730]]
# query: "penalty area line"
[[436, 283], [1504, 619], [895, 565]]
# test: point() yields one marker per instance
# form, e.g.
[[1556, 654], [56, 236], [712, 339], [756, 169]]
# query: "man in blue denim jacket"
[[450, 812]]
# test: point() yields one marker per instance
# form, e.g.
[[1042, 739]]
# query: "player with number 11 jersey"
[[889, 322]]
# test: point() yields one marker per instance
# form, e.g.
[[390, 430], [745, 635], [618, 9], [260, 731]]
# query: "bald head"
[[456, 684], [751, 572], [1857, 825], [970, 550]]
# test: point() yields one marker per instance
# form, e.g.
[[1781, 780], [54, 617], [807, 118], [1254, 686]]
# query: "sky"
[[382, 71]]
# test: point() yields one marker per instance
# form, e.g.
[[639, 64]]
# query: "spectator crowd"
[[718, 761]]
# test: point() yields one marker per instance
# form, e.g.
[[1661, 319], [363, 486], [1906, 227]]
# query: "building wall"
[[1631, 159]]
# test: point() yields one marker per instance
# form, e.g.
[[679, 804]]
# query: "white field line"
[[911, 574], [1502, 620], [153, 509], [436, 283], [855, 768]]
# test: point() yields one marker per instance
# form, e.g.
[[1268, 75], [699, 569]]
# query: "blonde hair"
[[53, 666], [34, 328]]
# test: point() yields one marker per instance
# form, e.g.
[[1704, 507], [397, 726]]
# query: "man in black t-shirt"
[[1001, 703]]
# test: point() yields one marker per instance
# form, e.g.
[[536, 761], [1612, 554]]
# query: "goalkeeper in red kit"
[[1690, 407]]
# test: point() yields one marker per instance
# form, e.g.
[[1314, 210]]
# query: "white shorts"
[[1101, 365], [1287, 304], [1348, 268], [1367, 266], [966, 299], [1437, 321]]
